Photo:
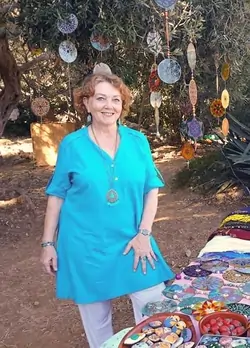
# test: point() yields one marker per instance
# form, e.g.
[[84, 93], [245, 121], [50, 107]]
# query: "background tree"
[[217, 27]]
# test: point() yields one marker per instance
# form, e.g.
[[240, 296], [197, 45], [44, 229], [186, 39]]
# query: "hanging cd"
[[102, 68], [191, 56], [169, 70], [216, 108], [195, 128], [68, 24], [154, 42], [155, 99], [40, 106], [166, 4], [225, 127], [225, 71], [99, 42], [193, 92], [225, 99], [67, 51], [187, 151]]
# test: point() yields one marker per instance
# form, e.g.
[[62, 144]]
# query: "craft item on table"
[[239, 263], [245, 289], [238, 225], [196, 271], [134, 338], [240, 308], [178, 276], [207, 283], [166, 4], [240, 218], [216, 108], [207, 307], [164, 306], [226, 255], [223, 341], [178, 292], [40, 106], [99, 42], [215, 266], [154, 42], [235, 277], [67, 51], [226, 295], [173, 331], [141, 345], [186, 306], [115, 340], [68, 24]]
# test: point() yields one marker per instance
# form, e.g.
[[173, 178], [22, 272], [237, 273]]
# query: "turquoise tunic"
[[92, 234]]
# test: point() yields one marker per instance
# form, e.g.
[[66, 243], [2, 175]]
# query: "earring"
[[89, 118]]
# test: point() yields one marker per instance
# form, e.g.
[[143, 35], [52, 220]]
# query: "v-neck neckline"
[[103, 152]]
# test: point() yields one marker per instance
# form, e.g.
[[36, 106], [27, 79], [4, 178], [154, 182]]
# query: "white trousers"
[[97, 317]]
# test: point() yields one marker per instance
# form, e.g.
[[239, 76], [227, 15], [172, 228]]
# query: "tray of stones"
[[164, 330], [217, 341]]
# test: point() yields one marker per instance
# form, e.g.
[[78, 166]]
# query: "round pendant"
[[112, 196]]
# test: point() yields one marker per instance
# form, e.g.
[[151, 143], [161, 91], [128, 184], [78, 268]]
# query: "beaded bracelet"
[[45, 244]]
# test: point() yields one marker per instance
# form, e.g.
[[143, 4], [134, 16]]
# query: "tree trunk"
[[9, 72]]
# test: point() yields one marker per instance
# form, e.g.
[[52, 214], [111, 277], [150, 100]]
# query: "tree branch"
[[31, 64], [4, 9]]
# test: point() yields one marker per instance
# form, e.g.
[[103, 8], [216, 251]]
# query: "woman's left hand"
[[143, 252]]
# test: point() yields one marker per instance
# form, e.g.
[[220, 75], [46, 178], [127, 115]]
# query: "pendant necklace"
[[112, 195]]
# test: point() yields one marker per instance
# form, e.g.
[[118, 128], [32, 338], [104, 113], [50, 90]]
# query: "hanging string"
[[167, 33]]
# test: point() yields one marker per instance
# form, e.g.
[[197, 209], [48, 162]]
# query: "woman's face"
[[106, 104]]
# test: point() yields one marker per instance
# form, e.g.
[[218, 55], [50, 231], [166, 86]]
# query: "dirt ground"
[[30, 316]]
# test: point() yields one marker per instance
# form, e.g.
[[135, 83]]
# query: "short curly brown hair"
[[88, 90]]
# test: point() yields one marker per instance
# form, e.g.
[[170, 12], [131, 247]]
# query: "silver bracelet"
[[144, 232], [45, 244]]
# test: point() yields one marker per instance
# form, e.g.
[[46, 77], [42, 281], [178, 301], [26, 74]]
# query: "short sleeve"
[[154, 178], [60, 181]]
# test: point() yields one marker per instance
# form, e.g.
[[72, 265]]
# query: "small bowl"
[[223, 315]]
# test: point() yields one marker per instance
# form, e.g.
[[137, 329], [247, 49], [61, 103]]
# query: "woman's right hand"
[[49, 259]]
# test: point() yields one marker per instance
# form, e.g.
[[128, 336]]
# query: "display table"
[[220, 273]]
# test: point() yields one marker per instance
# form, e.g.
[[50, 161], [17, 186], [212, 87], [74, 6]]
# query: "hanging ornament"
[[187, 151], [193, 92], [67, 51], [102, 68], [154, 81], [216, 108], [155, 101], [195, 128], [99, 42], [225, 127], [191, 56], [225, 98], [169, 71], [154, 42], [40, 106], [68, 24], [225, 71], [166, 4]]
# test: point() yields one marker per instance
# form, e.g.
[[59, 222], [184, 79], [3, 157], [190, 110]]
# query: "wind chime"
[[155, 46], [194, 126], [40, 106], [225, 73], [67, 49], [169, 70]]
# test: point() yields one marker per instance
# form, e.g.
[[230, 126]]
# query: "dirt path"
[[30, 316]]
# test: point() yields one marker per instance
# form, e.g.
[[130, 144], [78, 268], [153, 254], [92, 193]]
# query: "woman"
[[103, 201]]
